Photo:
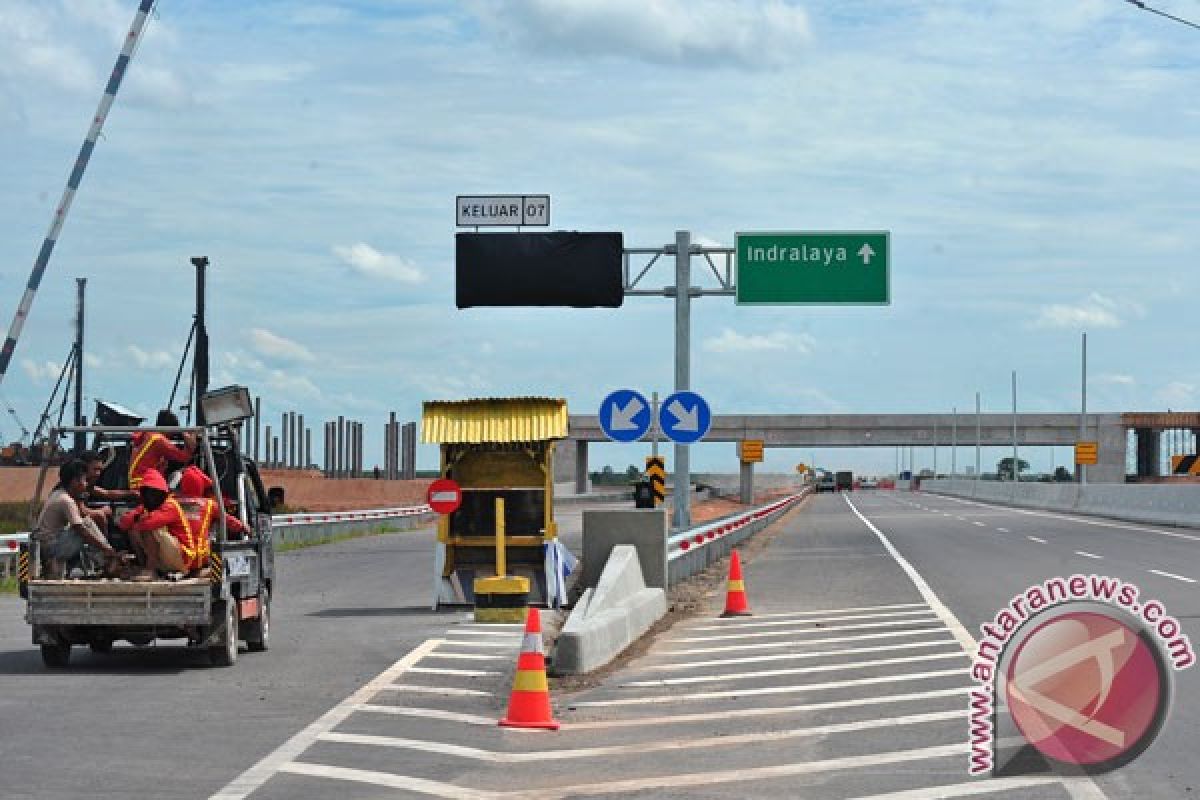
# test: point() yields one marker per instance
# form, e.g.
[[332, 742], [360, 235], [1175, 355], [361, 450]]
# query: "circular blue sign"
[[684, 417], [624, 416]]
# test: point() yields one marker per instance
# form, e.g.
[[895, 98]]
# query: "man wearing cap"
[[161, 531], [154, 451]]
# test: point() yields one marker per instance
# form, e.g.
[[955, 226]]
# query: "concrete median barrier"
[[609, 617]]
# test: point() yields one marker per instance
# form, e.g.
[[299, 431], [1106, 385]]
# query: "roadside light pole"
[[978, 436], [1083, 412], [200, 358], [1016, 465]]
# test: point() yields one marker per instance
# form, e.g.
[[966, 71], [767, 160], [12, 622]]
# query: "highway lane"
[[977, 557], [158, 722]]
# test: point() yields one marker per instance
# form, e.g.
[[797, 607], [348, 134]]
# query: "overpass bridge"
[[1110, 430]]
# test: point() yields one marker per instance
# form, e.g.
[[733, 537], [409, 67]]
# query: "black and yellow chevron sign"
[[1185, 465], [656, 471]]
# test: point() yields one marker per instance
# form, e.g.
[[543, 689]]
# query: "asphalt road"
[[848, 682]]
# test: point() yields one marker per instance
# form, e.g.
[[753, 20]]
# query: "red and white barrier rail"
[[10, 543], [701, 535], [322, 517]]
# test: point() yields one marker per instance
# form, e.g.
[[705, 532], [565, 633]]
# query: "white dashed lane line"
[[1086, 554], [980, 524], [1002, 530], [1173, 576], [1036, 539]]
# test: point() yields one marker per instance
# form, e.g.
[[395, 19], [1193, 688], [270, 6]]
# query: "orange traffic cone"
[[735, 598], [529, 703]]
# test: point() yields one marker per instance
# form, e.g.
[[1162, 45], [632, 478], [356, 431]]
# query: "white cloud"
[[1113, 379], [698, 33], [1177, 395], [1096, 311], [41, 372], [273, 346], [730, 341], [150, 360], [371, 263], [92, 361]]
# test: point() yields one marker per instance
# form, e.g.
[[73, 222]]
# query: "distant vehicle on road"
[[868, 483], [845, 480], [826, 483]]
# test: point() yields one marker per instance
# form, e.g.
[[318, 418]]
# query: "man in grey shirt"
[[62, 529]]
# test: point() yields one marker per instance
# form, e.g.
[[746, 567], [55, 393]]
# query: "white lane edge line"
[[250, 780], [965, 640], [969, 789], [1172, 575]]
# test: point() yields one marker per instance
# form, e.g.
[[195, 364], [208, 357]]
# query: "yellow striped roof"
[[494, 419]]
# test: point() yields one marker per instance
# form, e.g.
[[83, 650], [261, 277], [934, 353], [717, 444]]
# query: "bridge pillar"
[[747, 484], [1149, 450], [1112, 441], [571, 466]]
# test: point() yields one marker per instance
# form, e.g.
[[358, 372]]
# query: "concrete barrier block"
[[610, 617], [645, 529]]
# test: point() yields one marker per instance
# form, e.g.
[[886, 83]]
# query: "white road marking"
[[750, 622], [969, 789], [893, 607], [250, 780], [768, 711], [1083, 789], [862, 627], [428, 713], [482, 632], [1086, 554], [468, 656], [699, 651], [448, 790], [961, 519], [776, 673], [1068, 518], [947, 617], [957, 672], [451, 691], [483, 643], [462, 673], [1036, 539], [1173, 575], [790, 656], [1002, 530], [979, 524], [690, 743]]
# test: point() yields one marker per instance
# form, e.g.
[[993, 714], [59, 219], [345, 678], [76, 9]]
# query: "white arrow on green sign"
[[814, 268]]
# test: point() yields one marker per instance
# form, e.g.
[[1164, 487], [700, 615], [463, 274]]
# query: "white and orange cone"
[[735, 597], [529, 703]]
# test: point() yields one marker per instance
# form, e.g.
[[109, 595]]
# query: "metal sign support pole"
[[683, 326]]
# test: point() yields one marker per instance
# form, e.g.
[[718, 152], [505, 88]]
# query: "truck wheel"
[[258, 635], [225, 653], [56, 655]]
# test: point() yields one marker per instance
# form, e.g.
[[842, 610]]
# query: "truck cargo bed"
[[116, 602]]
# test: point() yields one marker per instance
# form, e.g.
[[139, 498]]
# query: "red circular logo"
[[1085, 688], [444, 496]]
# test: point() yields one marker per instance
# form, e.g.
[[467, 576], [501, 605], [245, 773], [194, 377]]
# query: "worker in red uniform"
[[196, 497], [161, 532], [154, 451]]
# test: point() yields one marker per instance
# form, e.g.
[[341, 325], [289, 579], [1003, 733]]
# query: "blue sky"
[[1036, 164]]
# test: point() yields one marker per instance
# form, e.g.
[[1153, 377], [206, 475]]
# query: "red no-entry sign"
[[444, 496]]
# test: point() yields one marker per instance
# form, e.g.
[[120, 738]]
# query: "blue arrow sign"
[[684, 417], [624, 416]]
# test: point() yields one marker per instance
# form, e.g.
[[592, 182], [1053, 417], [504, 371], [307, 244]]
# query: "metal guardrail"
[[373, 514], [693, 550]]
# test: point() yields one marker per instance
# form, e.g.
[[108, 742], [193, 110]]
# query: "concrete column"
[[747, 483], [409, 453], [327, 455], [283, 440], [267, 448], [275, 451], [257, 426], [308, 448], [581, 467], [300, 462], [339, 449], [1112, 445], [1149, 449]]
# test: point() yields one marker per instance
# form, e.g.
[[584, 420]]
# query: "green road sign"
[[826, 268]]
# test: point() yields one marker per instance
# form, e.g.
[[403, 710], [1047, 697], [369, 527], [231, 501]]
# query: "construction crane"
[[81, 162]]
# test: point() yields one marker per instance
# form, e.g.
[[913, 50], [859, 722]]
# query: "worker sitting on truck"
[[195, 495], [162, 533], [62, 531], [93, 493], [154, 451]]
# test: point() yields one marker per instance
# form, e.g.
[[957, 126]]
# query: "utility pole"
[[200, 359], [1083, 412], [954, 445], [683, 368], [978, 436], [1016, 466], [80, 437]]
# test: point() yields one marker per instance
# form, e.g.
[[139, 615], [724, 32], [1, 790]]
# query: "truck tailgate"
[[78, 602]]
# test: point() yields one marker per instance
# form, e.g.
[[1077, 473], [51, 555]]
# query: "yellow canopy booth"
[[500, 452]]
